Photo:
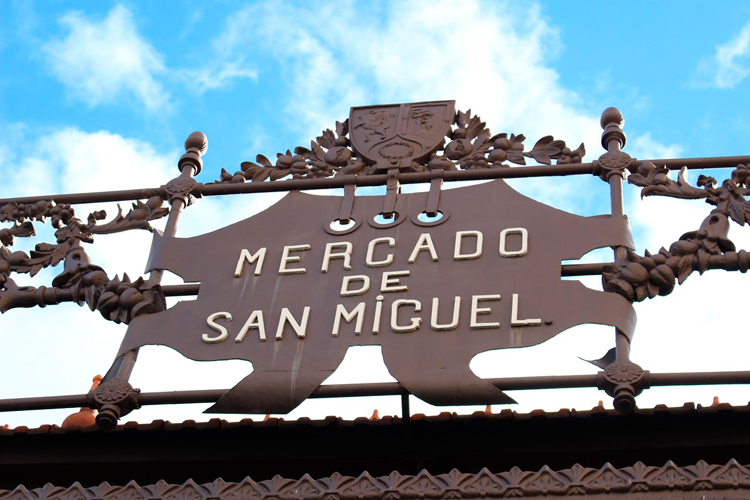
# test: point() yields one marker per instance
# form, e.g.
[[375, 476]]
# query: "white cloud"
[[645, 147], [73, 161], [107, 61], [219, 76], [729, 65], [229, 61], [493, 58]]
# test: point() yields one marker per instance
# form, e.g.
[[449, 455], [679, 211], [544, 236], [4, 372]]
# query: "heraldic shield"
[[397, 135], [283, 291]]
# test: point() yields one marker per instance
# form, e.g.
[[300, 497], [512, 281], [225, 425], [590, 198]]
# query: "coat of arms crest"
[[396, 135]]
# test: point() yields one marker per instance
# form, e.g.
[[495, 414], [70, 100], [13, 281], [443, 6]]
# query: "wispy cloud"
[[492, 57], [219, 75], [729, 65], [106, 61], [230, 59], [645, 146], [71, 160]]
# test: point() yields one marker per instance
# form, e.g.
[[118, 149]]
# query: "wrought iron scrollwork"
[[470, 145], [118, 300], [729, 198], [639, 277]]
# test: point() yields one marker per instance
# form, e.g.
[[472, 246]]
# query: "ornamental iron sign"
[[279, 290], [434, 278]]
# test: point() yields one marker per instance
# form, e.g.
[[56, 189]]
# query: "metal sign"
[[280, 290]]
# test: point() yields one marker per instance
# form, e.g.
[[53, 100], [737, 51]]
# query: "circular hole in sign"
[[337, 226], [381, 221], [424, 219]]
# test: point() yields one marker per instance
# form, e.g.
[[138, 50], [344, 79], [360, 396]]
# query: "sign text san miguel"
[[279, 290], [433, 277]]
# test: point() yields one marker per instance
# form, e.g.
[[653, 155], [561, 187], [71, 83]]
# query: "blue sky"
[[101, 96]]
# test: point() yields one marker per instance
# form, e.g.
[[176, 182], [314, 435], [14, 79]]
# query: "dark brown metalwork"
[[379, 180], [81, 281], [115, 396], [391, 146], [623, 379], [598, 380], [390, 280], [408, 137], [639, 277]]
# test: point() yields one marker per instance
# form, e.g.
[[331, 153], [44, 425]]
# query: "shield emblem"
[[394, 136]]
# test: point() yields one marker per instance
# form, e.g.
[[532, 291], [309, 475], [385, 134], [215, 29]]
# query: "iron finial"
[[197, 140], [196, 146], [612, 115], [612, 122]]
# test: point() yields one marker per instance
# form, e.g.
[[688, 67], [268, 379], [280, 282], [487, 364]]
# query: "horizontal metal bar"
[[98, 197], [583, 269], [55, 296], [544, 382], [708, 378], [382, 389], [44, 403], [378, 180], [566, 270], [180, 397], [700, 163], [220, 189], [324, 391], [181, 290], [358, 390]]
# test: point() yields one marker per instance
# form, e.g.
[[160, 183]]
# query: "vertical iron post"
[[613, 164], [178, 192]]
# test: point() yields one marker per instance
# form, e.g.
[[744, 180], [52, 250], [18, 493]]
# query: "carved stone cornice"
[[700, 481]]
